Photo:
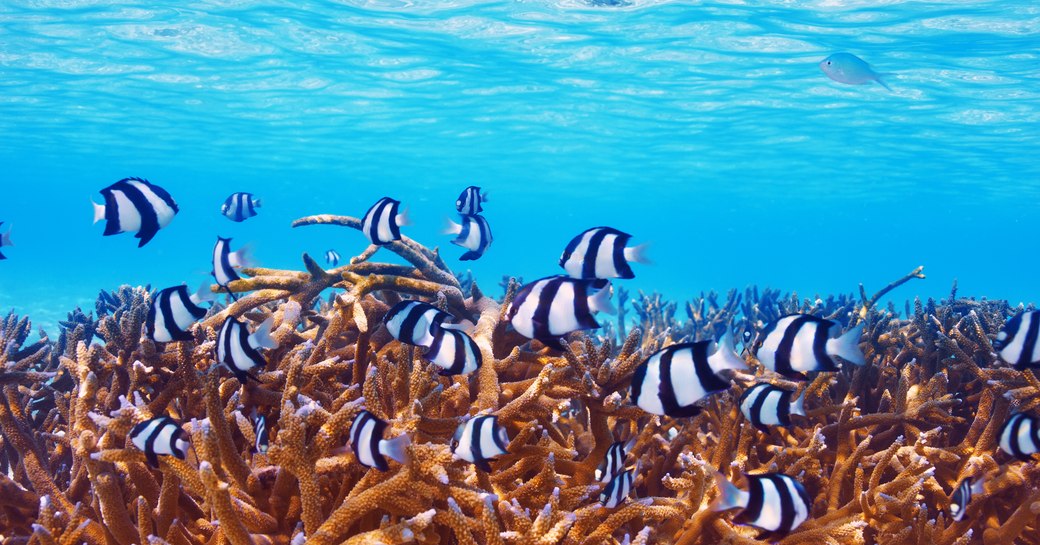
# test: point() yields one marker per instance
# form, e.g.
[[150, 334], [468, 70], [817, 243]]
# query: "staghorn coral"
[[880, 452]]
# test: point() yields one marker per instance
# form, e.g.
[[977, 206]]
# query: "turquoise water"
[[706, 129]]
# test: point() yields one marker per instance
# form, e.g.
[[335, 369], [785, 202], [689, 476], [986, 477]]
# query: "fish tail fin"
[[396, 448], [978, 486], [203, 294], [847, 346], [243, 257], [257, 203], [484, 196], [881, 82], [637, 254], [403, 220], [99, 211], [725, 356], [5, 239], [729, 496], [601, 301], [450, 227], [261, 338], [798, 405]]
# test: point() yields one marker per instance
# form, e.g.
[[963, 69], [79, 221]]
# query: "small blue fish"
[[850, 69], [5, 240]]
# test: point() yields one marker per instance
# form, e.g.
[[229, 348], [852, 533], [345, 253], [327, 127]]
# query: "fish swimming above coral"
[[160, 436], [173, 310], [602, 252], [332, 258], [414, 322], [618, 488], [135, 205], [773, 502], [672, 380], [962, 494], [454, 352], [239, 350], [765, 405], [797, 344], [240, 206], [1020, 436], [850, 69], [369, 445], [614, 461], [1018, 343], [469, 201], [474, 234], [549, 308], [480, 440], [382, 223], [5, 240], [225, 262]]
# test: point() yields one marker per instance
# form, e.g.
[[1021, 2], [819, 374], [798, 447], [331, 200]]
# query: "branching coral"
[[880, 450]]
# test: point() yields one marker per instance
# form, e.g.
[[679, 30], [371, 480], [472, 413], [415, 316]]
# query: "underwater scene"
[[570, 272]]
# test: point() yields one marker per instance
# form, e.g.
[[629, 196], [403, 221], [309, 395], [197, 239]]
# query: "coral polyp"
[[879, 452]]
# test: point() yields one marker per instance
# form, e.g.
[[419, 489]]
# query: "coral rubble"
[[880, 451]]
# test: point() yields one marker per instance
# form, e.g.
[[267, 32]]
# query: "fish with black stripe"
[[5, 240], [618, 488], [773, 502], [160, 436], [414, 322], [797, 344], [469, 200], [263, 439], [766, 405], [225, 262], [173, 311], [962, 494], [369, 446], [473, 233], [480, 440], [1020, 436], [602, 252], [239, 351], [1018, 343], [550, 308], [135, 205], [674, 379], [382, 223], [240, 206], [614, 460], [454, 352], [332, 258]]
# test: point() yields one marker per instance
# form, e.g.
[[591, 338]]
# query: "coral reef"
[[880, 451]]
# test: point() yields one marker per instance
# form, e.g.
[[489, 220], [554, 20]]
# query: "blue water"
[[706, 129]]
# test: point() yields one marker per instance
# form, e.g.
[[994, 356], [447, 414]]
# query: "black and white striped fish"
[[239, 351], [454, 352], [382, 223], [766, 405], [332, 258], [5, 240], [672, 380], [614, 460], [601, 252], [469, 201], [225, 262], [962, 496], [414, 322], [552, 307], [366, 440], [1020, 436], [479, 440], [799, 343], [240, 206], [473, 233], [1019, 342], [160, 436], [135, 205], [173, 311], [773, 502], [618, 488], [263, 440]]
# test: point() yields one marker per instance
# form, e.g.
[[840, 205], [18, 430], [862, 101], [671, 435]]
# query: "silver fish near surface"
[[480, 440], [766, 405], [382, 223], [850, 69], [473, 233], [1018, 343], [773, 502], [602, 252], [469, 200], [797, 344], [5, 240], [173, 311], [674, 379], [549, 308], [239, 351], [240, 206], [371, 449], [135, 205], [160, 436]]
